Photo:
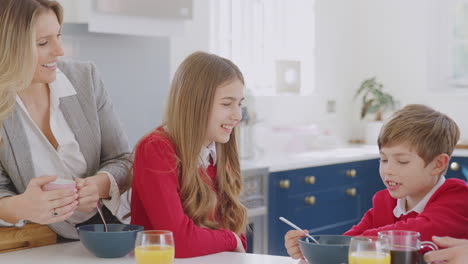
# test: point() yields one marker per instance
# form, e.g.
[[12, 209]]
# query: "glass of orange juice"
[[154, 247], [369, 250]]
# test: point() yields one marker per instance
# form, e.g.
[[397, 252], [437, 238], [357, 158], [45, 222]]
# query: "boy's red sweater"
[[446, 214]]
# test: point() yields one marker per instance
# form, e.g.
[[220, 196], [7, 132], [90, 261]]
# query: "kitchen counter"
[[76, 253], [291, 161]]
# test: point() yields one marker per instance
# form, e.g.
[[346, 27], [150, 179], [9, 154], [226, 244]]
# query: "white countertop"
[[76, 253], [291, 161]]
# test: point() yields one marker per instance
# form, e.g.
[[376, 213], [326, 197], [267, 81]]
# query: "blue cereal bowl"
[[116, 243], [333, 249]]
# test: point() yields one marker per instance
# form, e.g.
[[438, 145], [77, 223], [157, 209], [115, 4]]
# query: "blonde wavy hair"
[[18, 56], [186, 119]]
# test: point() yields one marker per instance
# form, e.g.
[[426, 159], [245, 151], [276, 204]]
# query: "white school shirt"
[[400, 208], [67, 161], [205, 153]]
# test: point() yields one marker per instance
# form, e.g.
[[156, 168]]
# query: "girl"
[[62, 124], [186, 172]]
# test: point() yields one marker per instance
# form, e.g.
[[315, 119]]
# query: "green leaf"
[[374, 99]]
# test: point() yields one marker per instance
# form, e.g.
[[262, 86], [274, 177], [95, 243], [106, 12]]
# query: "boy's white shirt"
[[400, 208]]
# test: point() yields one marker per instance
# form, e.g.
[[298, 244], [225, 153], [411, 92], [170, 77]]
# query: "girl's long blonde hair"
[[18, 56], [186, 119]]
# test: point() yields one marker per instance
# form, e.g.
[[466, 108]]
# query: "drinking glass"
[[368, 250], [154, 247], [406, 246]]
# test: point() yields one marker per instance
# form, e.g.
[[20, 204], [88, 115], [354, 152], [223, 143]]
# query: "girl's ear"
[[440, 163]]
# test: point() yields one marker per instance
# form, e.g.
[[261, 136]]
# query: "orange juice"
[[154, 254], [369, 257]]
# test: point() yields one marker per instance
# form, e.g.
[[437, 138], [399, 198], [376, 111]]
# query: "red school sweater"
[[446, 214], [156, 204]]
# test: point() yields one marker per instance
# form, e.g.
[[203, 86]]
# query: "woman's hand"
[[456, 251], [291, 243], [45, 207], [90, 189], [240, 248]]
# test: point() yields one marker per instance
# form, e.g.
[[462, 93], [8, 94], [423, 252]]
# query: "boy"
[[415, 148]]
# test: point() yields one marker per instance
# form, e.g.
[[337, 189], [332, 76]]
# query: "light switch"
[[331, 106]]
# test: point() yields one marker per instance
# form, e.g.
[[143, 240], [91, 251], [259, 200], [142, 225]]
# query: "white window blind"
[[459, 46], [272, 41], [448, 56]]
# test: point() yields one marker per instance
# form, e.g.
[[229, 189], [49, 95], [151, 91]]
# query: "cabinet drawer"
[[316, 209], [318, 178], [331, 211]]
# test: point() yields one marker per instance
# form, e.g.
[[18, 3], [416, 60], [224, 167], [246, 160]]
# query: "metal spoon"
[[297, 228], [99, 209]]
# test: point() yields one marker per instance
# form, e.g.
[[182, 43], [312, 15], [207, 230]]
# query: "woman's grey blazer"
[[97, 130]]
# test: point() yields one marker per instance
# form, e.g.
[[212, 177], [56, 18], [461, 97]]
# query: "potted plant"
[[374, 101]]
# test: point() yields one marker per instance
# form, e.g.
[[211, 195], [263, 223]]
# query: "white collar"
[[59, 88], [205, 154], [400, 208]]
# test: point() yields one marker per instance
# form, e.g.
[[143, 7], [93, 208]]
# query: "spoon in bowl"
[[297, 228], [99, 209]]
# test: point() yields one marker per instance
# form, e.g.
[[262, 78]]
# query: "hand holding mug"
[[46, 207], [455, 252]]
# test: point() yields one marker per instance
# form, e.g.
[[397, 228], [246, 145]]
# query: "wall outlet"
[[331, 106]]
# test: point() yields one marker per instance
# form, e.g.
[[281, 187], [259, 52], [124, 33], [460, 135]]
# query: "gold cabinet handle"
[[309, 179], [455, 166], [351, 173], [284, 184], [310, 200], [351, 192]]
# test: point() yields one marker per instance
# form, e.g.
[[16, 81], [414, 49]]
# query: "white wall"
[[394, 41], [196, 35], [334, 77], [354, 40], [135, 71]]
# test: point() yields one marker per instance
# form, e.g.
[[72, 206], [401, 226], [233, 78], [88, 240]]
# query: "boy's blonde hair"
[[424, 129], [18, 46], [186, 120]]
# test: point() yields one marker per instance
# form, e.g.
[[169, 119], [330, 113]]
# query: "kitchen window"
[[272, 41], [450, 45], [460, 46]]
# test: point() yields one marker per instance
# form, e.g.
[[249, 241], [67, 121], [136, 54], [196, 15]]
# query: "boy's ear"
[[440, 163]]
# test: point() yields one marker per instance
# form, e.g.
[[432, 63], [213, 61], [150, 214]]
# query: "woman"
[[186, 172], [62, 126]]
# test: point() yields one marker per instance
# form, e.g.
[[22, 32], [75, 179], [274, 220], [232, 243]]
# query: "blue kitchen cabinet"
[[324, 199]]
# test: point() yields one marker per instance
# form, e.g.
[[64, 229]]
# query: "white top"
[[76, 253], [67, 161], [205, 154], [400, 208]]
